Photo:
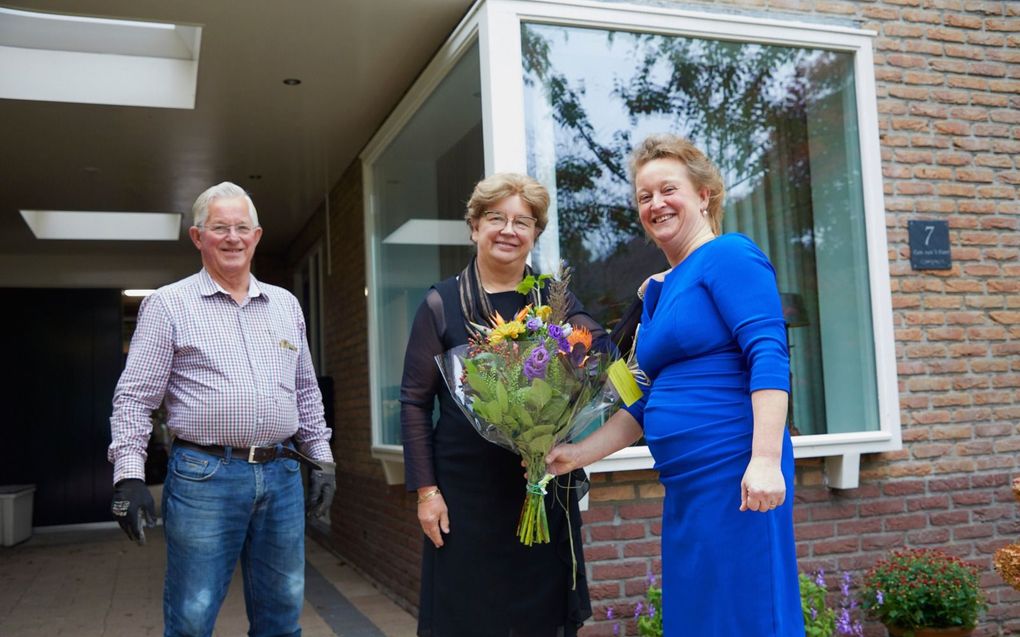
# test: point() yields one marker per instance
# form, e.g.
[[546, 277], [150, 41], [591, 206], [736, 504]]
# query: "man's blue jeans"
[[217, 510]]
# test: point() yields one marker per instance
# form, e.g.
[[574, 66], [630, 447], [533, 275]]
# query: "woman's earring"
[[704, 212]]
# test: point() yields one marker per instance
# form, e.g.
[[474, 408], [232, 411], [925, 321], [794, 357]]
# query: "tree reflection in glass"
[[781, 124]]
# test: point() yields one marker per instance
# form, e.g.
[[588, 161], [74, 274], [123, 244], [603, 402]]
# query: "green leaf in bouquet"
[[482, 409], [476, 381], [542, 443], [537, 432], [495, 411], [523, 418], [553, 410], [539, 394], [502, 398], [508, 426], [531, 281]]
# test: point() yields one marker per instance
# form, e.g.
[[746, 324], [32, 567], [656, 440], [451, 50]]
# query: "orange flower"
[[520, 315], [580, 334]]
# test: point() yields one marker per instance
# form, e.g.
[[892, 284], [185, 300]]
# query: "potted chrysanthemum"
[[923, 593], [1007, 558]]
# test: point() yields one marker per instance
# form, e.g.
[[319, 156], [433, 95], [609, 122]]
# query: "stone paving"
[[95, 583]]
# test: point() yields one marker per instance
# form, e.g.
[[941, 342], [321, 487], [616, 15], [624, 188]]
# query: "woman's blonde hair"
[[499, 186], [703, 173]]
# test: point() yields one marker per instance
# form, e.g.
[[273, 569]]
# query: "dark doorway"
[[62, 356]]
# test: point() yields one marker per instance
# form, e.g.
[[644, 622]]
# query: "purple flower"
[[820, 578], [879, 597], [846, 626], [609, 613], [651, 611], [559, 335], [843, 622], [637, 609], [534, 324], [616, 628], [577, 354], [536, 364]]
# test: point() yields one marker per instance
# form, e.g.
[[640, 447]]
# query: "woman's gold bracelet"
[[428, 496]]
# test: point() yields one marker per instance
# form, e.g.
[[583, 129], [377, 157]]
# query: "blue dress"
[[712, 332]]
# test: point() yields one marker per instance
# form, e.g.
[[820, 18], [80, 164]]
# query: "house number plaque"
[[929, 245]]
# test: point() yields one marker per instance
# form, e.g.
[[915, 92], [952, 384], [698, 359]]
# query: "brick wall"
[[948, 83], [373, 525]]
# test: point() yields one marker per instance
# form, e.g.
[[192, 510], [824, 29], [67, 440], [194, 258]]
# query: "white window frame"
[[497, 24], [313, 259], [456, 46]]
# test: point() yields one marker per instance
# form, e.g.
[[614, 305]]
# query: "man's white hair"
[[225, 190]]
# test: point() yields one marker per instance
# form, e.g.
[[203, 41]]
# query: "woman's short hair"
[[703, 173], [499, 186], [224, 190]]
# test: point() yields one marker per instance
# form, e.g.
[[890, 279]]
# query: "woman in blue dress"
[[712, 343]]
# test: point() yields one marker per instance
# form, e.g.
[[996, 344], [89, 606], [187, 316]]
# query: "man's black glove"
[[134, 508], [321, 487]]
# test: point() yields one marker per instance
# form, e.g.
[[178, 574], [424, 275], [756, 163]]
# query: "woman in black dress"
[[478, 580]]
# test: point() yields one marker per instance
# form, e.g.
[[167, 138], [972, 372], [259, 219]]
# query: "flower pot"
[[954, 631]]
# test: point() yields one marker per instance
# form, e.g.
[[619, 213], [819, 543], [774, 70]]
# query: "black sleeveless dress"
[[483, 582]]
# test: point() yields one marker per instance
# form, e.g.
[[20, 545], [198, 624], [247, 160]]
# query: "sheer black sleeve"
[[624, 332], [577, 315], [419, 386]]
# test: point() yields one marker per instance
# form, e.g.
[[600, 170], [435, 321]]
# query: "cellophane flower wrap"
[[528, 384]]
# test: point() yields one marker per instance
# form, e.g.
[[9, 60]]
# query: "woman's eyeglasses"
[[497, 219]]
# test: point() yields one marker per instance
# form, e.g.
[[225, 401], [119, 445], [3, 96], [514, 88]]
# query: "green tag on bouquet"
[[623, 380]]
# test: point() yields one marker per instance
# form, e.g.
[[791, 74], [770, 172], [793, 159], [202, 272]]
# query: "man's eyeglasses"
[[242, 229], [497, 219]]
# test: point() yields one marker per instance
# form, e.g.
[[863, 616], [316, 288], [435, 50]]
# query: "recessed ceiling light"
[[103, 226], [138, 292], [292, 81]]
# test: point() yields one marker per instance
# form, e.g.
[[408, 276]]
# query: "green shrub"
[[819, 619], [923, 588], [649, 618]]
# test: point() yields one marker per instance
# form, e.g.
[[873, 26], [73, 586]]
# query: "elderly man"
[[229, 355]]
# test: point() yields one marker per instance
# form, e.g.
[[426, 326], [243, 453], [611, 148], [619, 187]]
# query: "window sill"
[[392, 459], [841, 453]]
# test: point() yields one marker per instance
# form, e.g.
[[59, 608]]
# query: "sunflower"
[[506, 330]]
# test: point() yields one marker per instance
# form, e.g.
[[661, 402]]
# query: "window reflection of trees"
[[747, 105]]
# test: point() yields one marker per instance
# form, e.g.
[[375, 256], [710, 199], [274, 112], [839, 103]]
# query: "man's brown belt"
[[255, 455]]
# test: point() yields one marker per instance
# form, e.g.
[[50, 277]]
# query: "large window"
[[563, 91], [419, 186], [781, 123]]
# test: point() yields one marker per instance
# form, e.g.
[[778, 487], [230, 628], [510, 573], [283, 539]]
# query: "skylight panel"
[[64, 58], [103, 226]]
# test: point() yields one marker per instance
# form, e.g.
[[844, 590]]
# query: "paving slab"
[[95, 583]]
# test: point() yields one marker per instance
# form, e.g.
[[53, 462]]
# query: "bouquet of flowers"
[[527, 384]]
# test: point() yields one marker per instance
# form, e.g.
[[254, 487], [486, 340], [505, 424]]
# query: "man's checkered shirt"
[[233, 375]]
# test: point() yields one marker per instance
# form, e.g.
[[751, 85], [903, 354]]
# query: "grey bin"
[[16, 513]]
